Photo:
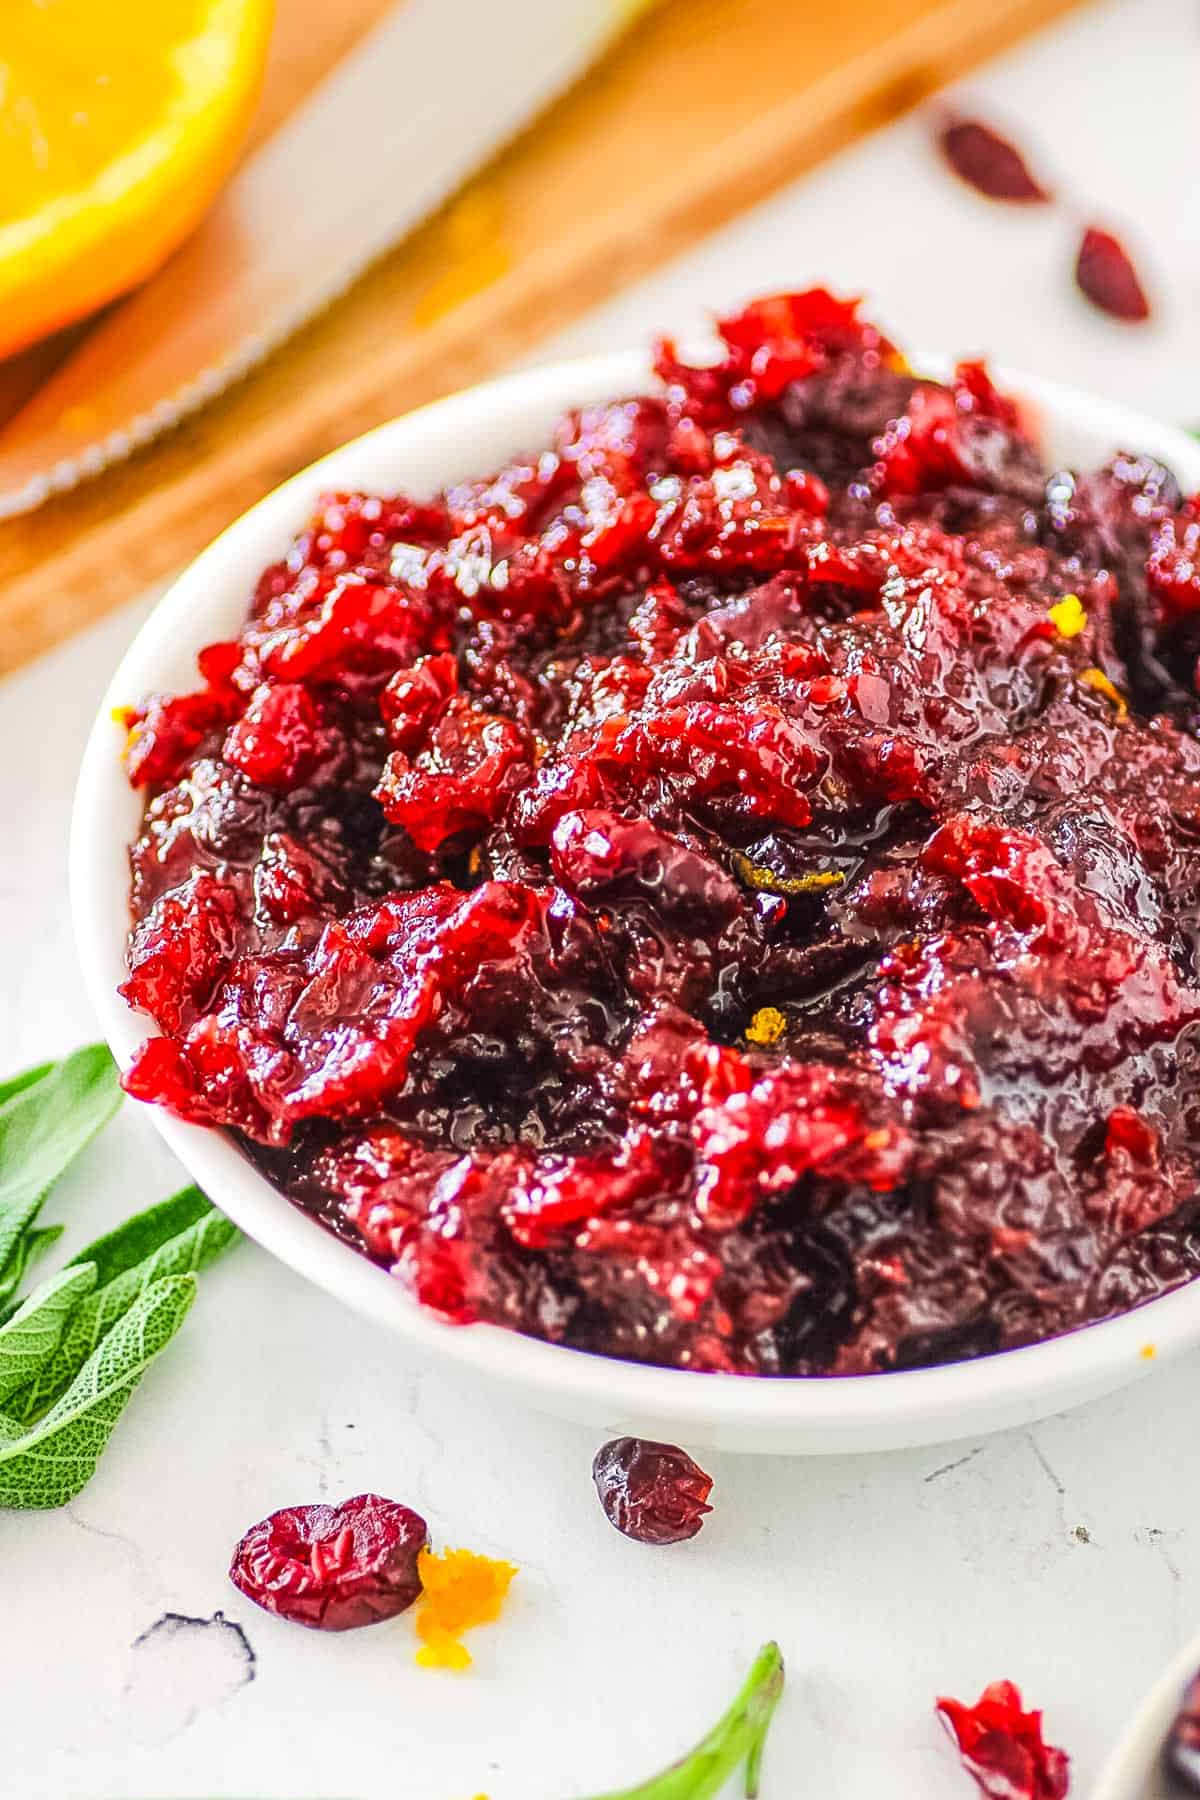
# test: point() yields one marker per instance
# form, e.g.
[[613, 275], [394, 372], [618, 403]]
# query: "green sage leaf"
[[185, 1254], [29, 1250], [736, 1739], [131, 1242], [43, 1127], [16, 1084], [32, 1335], [50, 1463]]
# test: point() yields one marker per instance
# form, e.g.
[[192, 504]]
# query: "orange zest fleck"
[[1149, 1352], [757, 875], [1067, 616], [127, 718], [1097, 679], [460, 1590], [767, 1025]]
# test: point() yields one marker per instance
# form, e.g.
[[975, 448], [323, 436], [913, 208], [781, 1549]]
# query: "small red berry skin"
[[653, 1493], [1002, 1746], [988, 162], [1105, 273], [333, 1568]]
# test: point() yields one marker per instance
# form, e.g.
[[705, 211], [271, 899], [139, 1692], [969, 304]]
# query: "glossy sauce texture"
[[724, 890]]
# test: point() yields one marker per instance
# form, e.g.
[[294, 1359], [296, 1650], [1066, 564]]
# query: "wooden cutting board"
[[701, 110]]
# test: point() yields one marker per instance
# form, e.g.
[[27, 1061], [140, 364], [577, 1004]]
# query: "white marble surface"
[[1067, 1557]]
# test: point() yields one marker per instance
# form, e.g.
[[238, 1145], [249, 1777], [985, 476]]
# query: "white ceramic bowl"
[[1135, 1769], [457, 438]]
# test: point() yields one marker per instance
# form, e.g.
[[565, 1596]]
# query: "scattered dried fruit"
[[988, 162], [460, 1590], [1105, 273], [651, 1492], [1003, 1748], [333, 1567]]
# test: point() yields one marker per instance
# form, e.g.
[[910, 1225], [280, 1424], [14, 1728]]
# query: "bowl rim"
[[1138, 1751], [919, 1405]]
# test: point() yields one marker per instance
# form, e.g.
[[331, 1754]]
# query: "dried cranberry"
[[462, 780], [651, 1492], [180, 949], [168, 731], [1173, 565], [333, 1567], [276, 742], [414, 697], [1181, 1752], [1105, 273], [988, 161], [1003, 1748]]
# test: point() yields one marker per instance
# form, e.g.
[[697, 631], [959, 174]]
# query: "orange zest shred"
[[460, 1590], [1097, 679], [1067, 616], [767, 1025], [757, 875], [127, 718]]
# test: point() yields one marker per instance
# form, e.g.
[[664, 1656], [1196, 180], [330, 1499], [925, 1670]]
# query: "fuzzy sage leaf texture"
[[33, 1334], [16, 1084], [735, 1742], [72, 1353], [47, 1118], [29, 1249], [133, 1240], [189, 1251], [52, 1462]]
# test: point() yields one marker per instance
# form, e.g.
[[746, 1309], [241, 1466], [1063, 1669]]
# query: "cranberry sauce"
[[723, 891]]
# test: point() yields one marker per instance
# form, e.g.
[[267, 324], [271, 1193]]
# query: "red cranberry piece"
[[167, 733], [415, 696], [361, 626], [218, 663], [333, 1567], [463, 780], [1105, 273], [594, 852], [1181, 1752], [276, 742], [653, 1493], [1173, 565], [988, 162], [180, 949], [1003, 1748]]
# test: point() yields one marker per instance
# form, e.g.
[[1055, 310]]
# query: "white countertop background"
[[1066, 1557]]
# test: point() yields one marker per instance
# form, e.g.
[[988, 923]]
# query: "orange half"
[[119, 120]]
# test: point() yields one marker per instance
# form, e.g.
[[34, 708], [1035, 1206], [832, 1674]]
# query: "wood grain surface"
[[702, 110]]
